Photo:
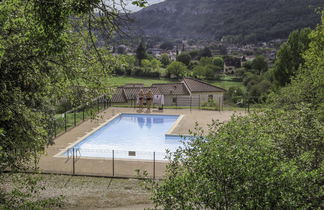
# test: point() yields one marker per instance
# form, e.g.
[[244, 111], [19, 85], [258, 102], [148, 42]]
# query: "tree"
[[307, 86], [205, 52], [259, 91], [121, 49], [167, 46], [165, 59], [141, 53], [260, 64], [185, 58], [235, 94], [199, 71], [289, 56], [272, 159], [194, 54], [45, 56], [177, 68], [261, 160], [206, 68], [218, 61], [206, 61]]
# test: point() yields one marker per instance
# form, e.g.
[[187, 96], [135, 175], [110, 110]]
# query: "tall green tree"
[[185, 58], [141, 53], [177, 69], [165, 59], [289, 56], [218, 61], [260, 64], [307, 86]]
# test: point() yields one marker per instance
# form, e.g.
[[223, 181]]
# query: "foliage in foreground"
[[46, 57], [271, 159], [268, 160]]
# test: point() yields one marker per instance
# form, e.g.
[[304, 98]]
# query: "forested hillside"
[[248, 20]]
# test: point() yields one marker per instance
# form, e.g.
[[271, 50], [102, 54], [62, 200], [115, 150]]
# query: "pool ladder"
[[70, 153]]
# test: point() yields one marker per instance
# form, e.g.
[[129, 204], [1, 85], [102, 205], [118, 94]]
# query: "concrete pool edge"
[[80, 139], [175, 124], [60, 154]]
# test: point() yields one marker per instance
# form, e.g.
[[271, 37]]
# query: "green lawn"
[[122, 80], [225, 83]]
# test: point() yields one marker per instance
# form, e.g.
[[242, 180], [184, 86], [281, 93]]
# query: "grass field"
[[122, 80], [225, 83]]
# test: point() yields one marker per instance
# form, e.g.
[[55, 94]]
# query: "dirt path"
[[97, 193]]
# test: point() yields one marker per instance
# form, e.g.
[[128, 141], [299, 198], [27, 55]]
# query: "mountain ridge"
[[253, 20]]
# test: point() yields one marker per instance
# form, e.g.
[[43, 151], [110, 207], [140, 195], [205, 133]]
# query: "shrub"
[[272, 160]]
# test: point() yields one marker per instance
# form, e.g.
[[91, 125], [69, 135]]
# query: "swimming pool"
[[132, 136]]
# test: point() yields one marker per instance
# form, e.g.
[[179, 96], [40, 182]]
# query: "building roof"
[[131, 93], [195, 85], [172, 89], [123, 94], [185, 87], [118, 96]]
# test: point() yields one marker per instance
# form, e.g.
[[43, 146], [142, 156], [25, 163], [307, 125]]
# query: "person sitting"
[[149, 100]]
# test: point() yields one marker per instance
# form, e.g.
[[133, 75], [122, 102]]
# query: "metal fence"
[[187, 102], [70, 119], [104, 163]]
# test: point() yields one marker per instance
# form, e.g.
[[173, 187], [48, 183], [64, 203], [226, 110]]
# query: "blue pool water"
[[142, 133]]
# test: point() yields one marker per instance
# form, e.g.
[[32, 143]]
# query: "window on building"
[[174, 100]]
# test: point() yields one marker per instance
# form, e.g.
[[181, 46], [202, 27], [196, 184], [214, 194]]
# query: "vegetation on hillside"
[[272, 159], [234, 21]]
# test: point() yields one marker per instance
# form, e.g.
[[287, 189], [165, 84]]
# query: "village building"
[[188, 92]]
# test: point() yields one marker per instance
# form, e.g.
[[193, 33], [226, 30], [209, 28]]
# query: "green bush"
[[272, 160], [212, 104]]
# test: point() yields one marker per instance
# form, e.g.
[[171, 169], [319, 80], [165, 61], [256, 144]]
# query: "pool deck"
[[50, 163]]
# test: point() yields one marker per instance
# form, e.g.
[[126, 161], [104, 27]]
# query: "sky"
[[135, 8]]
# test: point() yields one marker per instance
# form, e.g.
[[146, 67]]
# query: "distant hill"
[[249, 20]]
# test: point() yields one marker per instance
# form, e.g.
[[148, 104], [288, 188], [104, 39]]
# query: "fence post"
[[74, 115], [248, 106], [153, 165], [98, 104], [104, 102], [113, 162], [199, 101], [190, 102], [73, 161], [54, 127], [177, 102], [65, 122], [83, 114], [35, 158]]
